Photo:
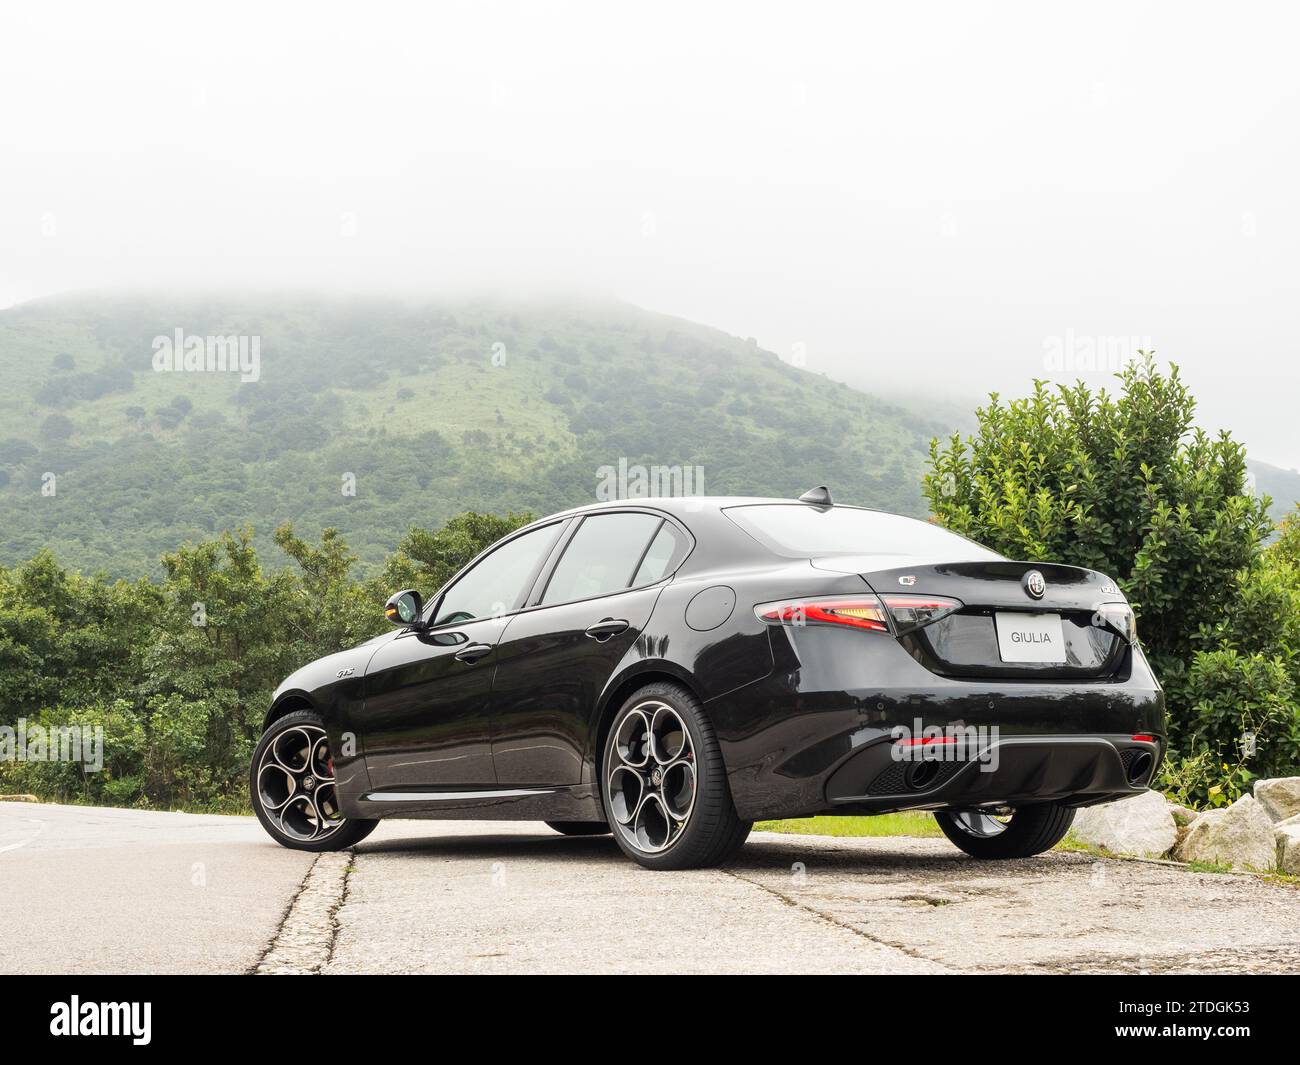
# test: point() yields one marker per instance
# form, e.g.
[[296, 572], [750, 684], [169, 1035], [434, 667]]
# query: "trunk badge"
[[1035, 586], [907, 581]]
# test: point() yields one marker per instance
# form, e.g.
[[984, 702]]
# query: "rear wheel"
[[579, 828], [292, 787], [664, 783], [1027, 831]]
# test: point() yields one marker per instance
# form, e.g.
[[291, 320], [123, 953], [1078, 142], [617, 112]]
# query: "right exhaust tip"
[[1139, 769]]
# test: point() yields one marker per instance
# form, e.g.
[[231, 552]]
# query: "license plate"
[[1030, 637]]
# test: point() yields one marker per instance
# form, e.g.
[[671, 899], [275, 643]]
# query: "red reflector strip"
[[1144, 738], [921, 741]]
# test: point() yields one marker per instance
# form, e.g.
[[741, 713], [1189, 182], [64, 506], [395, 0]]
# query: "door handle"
[[607, 629], [473, 652]]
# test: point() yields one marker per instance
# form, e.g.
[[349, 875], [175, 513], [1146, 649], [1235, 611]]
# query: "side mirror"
[[404, 608]]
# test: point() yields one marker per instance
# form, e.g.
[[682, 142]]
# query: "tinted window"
[[804, 531], [661, 552], [601, 556], [497, 584]]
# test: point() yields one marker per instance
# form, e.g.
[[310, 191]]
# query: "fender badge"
[[346, 672]]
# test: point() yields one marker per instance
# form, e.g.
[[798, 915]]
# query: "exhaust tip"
[[920, 775], [1139, 768]]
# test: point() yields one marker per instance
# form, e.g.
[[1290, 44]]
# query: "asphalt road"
[[92, 890]]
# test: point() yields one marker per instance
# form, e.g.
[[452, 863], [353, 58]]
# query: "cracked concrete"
[[128, 891]]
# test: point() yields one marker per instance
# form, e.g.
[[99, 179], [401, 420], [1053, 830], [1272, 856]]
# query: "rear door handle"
[[473, 652], [604, 630]]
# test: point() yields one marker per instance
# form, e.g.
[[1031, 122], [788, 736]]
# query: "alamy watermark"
[[57, 743], [209, 354], [947, 743], [626, 481], [1081, 353]]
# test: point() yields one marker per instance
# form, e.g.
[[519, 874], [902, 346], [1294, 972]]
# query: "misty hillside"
[[432, 408]]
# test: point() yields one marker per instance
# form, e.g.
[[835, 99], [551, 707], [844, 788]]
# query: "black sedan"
[[672, 670]]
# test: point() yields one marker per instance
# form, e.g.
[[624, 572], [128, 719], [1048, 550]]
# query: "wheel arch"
[[287, 704], [619, 691]]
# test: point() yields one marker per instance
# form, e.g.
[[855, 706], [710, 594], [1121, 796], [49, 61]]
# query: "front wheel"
[[292, 787], [1029, 830], [665, 785]]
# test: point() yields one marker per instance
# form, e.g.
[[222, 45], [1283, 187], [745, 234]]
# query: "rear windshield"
[[803, 531]]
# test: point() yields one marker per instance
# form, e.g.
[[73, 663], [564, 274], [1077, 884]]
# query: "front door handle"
[[607, 629], [473, 652]]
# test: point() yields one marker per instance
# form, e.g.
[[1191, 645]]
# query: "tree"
[[56, 428], [427, 560]]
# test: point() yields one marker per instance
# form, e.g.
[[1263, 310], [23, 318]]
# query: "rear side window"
[[498, 583], [662, 550], [602, 557], [801, 531]]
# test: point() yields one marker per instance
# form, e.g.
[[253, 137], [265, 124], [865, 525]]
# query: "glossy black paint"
[[516, 731]]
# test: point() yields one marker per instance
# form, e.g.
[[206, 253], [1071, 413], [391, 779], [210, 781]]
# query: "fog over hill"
[[372, 414]]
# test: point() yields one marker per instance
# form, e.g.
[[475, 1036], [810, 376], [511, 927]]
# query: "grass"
[[904, 824]]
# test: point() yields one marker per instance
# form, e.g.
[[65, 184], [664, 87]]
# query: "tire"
[[659, 742], [291, 792], [580, 828], [1030, 830]]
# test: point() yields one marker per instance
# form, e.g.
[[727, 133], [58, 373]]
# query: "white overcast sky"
[[924, 197]]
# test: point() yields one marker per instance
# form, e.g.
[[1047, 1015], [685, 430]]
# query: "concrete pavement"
[[92, 890]]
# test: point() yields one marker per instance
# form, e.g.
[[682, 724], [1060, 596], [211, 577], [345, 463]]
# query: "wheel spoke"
[[626, 792], [632, 741], [678, 789], [653, 828], [669, 739], [978, 823]]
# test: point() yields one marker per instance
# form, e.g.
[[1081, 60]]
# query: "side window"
[[497, 584], [663, 548], [601, 557]]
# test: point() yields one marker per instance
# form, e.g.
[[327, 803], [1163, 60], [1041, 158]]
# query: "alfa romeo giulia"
[[672, 670]]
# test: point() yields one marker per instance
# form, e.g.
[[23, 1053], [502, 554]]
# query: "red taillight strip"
[[1142, 737], [921, 741], [828, 611], [916, 602]]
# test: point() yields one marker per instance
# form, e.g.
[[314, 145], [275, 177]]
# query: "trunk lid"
[[1001, 629]]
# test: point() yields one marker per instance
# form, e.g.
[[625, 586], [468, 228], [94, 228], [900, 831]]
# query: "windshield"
[[805, 532]]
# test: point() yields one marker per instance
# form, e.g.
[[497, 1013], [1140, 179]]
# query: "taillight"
[[915, 611], [1117, 616], [855, 611]]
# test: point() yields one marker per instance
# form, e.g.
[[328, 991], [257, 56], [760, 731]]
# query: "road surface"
[[131, 891]]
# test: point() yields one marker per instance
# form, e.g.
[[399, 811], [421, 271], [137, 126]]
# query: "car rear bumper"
[[817, 734], [1076, 770]]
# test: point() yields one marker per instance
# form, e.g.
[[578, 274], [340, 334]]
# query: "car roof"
[[679, 505]]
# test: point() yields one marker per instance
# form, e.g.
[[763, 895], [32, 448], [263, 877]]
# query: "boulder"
[[1287, 835], [1240, 836], [1280, 797], [1140, 825]]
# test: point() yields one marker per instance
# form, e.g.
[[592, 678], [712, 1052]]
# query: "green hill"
[[434, 407]]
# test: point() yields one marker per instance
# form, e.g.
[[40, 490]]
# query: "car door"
[[425, 722], [555, 659]]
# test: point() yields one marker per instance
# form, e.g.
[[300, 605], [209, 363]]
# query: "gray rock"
[[1140, 825], [1287, 835], [1240, 836], [1280, 797]]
